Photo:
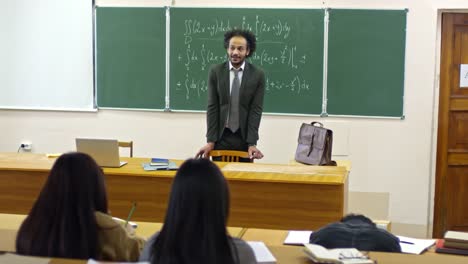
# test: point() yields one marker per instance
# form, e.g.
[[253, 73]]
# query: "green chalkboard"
[[366, 58], [289, 49], [130, 57]]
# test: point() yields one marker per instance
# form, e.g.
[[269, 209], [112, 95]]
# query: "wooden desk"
[[10, 224], [262, 196], [268, 236], [294, 255]]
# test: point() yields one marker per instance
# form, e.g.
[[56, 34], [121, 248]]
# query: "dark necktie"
[[233, 119]]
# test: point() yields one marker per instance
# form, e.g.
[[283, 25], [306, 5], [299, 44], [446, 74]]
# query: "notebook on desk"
[[104, 151]]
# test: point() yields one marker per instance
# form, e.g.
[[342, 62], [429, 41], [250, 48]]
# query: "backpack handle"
[[319, 124]]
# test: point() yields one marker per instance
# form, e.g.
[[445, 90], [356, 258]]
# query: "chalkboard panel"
[[366, 57], [130, 56], [289, 49]]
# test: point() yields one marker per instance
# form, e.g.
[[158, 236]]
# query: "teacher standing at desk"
[[235, 98]]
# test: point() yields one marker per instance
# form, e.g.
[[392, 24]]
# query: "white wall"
[[46, 54], [388, 155]]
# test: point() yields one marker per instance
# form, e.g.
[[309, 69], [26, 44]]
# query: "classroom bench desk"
[[294, 255], [262, 195], [11, 223]]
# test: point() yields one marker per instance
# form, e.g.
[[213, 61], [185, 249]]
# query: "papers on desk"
[[414, 245], [262, 253], [297, 238], [407, 244]]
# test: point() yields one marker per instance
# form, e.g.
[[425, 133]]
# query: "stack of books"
[[159, 164], [454, 242]]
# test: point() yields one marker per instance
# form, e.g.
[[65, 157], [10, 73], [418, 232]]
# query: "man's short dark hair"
[[358, 217], [248, 35]]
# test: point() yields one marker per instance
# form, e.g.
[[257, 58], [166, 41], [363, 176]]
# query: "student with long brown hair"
[[69, 218]]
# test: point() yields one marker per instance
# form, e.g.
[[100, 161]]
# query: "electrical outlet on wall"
[[26, 145]]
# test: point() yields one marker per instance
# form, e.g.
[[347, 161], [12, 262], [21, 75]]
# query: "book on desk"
[[456, 236], [441, 248], [319, 254], [170, 166], [159, 161], [454, 242]]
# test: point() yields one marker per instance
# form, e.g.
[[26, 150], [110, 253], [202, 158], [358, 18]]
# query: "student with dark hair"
[[194, 230], [356, 231], [69, 218], [235, 98]]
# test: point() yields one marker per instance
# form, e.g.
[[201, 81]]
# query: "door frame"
[[436, 221]]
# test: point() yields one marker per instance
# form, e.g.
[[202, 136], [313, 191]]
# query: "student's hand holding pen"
[[130, 230]]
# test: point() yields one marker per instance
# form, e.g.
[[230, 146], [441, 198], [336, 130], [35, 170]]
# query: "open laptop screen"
[[104, 151]]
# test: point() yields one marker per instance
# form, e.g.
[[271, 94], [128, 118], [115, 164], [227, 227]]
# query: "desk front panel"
[[274, 205], [279, 202], [150, 193], [253, 204], [19, 189]]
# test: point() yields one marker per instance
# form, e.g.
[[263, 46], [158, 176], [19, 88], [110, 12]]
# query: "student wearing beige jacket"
[[70, 217]]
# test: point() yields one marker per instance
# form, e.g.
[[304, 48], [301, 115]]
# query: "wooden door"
[[451, 192]]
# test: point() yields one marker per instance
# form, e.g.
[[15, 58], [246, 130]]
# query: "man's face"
[[237, 50]]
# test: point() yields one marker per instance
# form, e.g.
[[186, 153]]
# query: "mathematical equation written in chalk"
[[260, 27], [202, 58], [284, 52], [195, 87]]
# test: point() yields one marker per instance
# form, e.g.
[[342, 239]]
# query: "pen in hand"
[[406, 242], [130, 214]]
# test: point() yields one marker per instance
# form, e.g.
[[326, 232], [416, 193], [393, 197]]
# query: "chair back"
[[127, 144], [229, 155]]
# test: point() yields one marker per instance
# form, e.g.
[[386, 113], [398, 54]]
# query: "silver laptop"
[[104, 151]]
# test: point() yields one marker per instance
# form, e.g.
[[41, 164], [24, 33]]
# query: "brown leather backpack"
[[314, 145]]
